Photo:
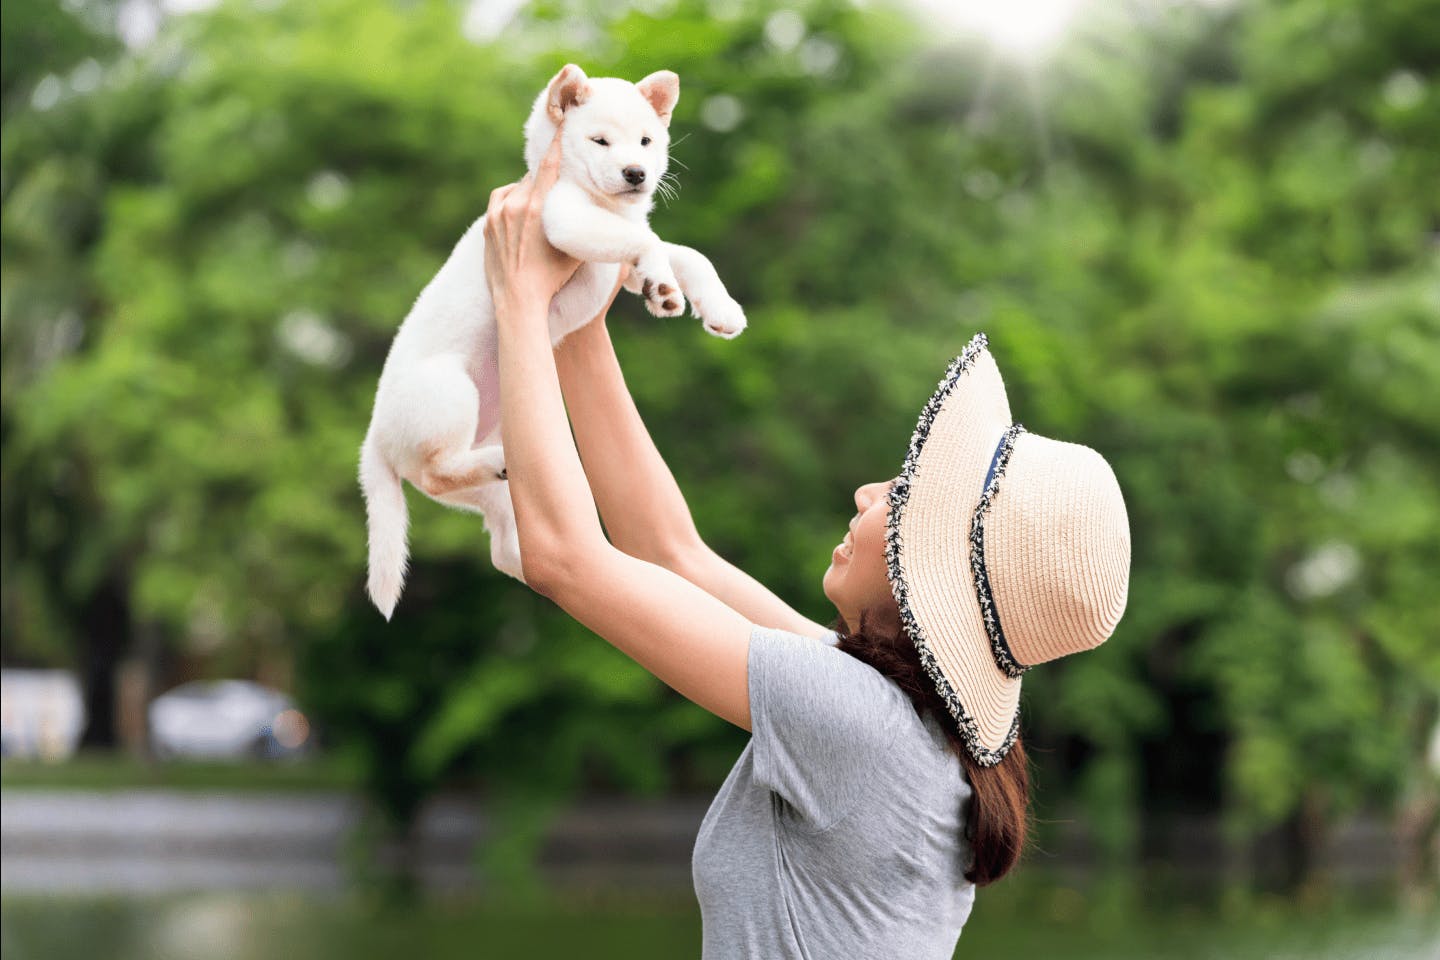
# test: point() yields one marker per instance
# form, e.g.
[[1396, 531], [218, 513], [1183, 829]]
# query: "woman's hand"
[[524, 271]]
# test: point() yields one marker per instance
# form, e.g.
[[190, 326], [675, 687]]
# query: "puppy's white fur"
[[436, 421]]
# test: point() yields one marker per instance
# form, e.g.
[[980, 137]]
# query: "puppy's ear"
[[569, 88], [662, 89]]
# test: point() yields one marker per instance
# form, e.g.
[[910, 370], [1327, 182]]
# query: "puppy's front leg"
[[709, 299], [587, 232]]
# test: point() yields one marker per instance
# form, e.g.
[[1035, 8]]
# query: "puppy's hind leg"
[[431, 418], [474, 480], [493, 501], [449, 470]]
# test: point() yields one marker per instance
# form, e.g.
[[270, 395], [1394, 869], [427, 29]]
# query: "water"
[[1026, 916], [165, 875]]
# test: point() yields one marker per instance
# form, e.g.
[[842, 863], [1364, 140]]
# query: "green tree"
[[71, 132], [1201, 242]]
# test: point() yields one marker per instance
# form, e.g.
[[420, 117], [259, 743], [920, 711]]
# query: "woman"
[[847, 828]]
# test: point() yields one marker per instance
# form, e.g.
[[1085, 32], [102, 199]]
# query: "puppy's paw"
[[659, 287], [723, 317], [499, 512], [505, 554], [666, 304], [493, 458]]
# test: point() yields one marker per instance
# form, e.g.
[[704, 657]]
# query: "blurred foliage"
[[1202, 240], [110, 771]]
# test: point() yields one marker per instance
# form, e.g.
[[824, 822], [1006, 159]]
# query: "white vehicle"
[[41, 713], [226, 718]]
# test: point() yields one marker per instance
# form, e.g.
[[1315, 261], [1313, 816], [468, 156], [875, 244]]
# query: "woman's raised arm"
[[674, 629], [644, 511]]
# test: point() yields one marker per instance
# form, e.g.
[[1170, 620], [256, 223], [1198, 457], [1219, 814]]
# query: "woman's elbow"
[[540, 570], [551, 569]]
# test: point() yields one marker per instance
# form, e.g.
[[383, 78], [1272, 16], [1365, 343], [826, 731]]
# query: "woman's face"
[[856, 578]]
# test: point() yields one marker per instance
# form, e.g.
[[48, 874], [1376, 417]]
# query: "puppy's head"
[[616, 134]]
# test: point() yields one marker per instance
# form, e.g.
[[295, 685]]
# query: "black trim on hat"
[[1004, 659], [894, 548]]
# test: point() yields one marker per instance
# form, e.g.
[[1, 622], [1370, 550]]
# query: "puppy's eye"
[[644, 141], [601, 140]]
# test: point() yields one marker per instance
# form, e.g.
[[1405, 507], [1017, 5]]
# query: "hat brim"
[[928, 550]]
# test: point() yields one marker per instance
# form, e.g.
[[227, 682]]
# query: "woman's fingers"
[[497, 198], [513, 227], [511, 204], [497, 214], [517, 201], [549, 170]]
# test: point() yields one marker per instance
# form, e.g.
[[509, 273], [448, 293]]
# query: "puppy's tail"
[[388, 520]]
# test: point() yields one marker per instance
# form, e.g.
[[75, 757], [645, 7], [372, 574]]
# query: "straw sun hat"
[[1004, 550]]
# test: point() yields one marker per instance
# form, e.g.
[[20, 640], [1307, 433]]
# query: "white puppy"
[[436, 421]]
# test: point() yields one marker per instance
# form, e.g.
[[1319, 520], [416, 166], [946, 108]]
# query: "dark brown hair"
[[999, 818]]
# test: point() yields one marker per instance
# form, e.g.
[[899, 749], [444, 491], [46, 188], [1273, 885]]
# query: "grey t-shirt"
[[838, 831]]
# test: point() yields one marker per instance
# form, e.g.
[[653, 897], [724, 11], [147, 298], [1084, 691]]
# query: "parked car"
[[226, 719], [41, 713]]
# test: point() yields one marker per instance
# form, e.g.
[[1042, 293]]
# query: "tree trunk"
[[105, 636], [1304, 835]]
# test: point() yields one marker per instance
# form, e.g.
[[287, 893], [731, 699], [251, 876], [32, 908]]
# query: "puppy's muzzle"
[[634, 175]]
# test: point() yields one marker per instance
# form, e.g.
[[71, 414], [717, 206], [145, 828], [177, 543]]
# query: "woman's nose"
[[866, 495]]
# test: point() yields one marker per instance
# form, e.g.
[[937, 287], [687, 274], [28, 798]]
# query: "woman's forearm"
[[640, 502], [644, 511], [554, 510]]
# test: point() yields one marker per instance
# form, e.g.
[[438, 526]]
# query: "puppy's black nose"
[[635, 175]]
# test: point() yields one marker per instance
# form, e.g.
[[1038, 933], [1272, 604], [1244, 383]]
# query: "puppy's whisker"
[[666, 188]]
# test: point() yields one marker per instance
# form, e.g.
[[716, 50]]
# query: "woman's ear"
[[662, 89], [569, 88]]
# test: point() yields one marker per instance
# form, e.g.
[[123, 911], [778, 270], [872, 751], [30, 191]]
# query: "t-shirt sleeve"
[[821, 722]]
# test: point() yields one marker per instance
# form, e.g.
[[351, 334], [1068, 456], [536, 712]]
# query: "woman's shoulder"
[[822, 722], [829, 727], [865, 708], [828, 666], [918, 739]]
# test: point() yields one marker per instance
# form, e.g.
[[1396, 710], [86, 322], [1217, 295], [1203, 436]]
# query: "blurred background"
[[1203, 237]]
